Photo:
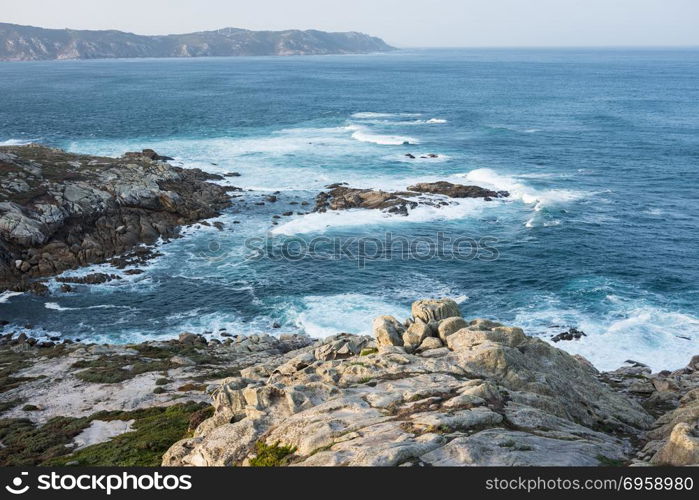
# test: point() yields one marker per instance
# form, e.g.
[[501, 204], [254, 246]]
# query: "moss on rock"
[[271, 456]]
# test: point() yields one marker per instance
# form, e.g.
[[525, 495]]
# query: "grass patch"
[[10, 363], [368, 351], [150, 358], [8, 405], [271, 456], [27, 445], [114, 369], [170, 350], [154, 431]]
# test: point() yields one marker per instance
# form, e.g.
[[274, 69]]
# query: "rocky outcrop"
[[435, 390], [457, 190], [28, 43], [342, 197], [570, 334], [672, 397], [60, 210]]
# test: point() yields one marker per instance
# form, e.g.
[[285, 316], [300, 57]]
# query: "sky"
[[402, 23]]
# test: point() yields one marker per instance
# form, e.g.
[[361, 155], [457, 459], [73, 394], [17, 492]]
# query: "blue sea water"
[[598, 148]]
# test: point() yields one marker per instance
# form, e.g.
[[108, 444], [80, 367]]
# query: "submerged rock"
[[570, 334]]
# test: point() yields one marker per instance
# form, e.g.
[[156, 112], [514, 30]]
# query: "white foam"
[[486, 177], [632, 330], [371, 114], [387, 140], [5, 296], [54, 306], [397, 123], [15, 142], [284, 160], [324, 315], [321, 222]]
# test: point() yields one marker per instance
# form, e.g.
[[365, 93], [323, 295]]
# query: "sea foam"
[[658, 337]]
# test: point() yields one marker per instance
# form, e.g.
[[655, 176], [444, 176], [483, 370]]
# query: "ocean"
[[599, 150]]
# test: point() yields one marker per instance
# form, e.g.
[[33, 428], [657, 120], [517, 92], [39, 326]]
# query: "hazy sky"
[[404, 23]]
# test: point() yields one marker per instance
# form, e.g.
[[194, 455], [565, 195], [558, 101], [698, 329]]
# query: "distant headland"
[[28, 43]]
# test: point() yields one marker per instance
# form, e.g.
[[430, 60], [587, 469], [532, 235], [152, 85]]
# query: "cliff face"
[[28, 43]]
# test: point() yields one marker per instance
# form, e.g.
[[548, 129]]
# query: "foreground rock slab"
[[486, 395]]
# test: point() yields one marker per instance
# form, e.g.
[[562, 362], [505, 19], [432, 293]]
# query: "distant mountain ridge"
[[29, 43]]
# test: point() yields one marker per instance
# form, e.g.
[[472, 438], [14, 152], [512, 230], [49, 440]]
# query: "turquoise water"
[[599, 150]]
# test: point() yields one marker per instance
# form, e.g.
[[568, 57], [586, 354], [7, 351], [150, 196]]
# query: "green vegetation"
[[368, 350], [25, 444], [162, 381], [30, 408], [10, 363], [8, 405], [150, 358], [154, 431], [114, 369], [197, 354], [271, 456]]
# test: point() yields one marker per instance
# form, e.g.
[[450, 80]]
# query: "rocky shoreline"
[[433, 390], [60, 211]]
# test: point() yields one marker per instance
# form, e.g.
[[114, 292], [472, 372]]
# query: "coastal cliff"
[[28, 43], [434, 390]]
